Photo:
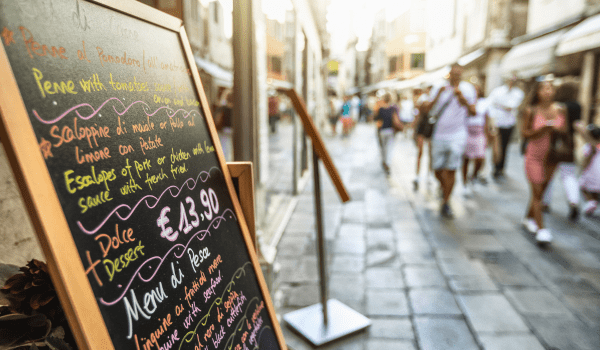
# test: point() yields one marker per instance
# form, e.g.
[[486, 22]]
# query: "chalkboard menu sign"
[[108, 131]]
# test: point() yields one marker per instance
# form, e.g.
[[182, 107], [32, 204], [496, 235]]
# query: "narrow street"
[[476, 282]]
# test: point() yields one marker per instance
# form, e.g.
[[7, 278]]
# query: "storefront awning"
[[385, 84], [582, 37], [471, 57], [221, 77], [428, 78], [532, 58]]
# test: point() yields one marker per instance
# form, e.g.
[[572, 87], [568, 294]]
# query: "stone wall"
[[18, 242]]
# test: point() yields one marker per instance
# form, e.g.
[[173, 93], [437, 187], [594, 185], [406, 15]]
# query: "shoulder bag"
[[428, 121]]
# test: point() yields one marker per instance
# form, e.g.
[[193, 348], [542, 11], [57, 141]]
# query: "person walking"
[[346, 117], [478, 129], [590, 175], [335, 108], [420, 138], [504, 102], [566, 94], [451, 103], [542, 118], [385, 118]]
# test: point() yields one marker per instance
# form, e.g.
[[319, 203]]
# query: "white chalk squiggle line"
[[145, 200], [214, 224], [170, 111]]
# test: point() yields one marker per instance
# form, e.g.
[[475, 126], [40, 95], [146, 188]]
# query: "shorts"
[[446, 154]]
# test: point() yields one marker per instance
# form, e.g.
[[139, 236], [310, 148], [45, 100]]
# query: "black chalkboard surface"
[[120, 127]]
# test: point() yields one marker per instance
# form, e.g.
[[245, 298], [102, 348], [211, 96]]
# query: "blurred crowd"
[[456, 123]]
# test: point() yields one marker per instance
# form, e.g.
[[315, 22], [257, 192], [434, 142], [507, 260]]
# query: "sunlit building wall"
[[406, 44], [544, 14]]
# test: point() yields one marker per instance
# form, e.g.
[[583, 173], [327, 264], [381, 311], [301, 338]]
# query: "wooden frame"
[[318, 144], [66, 269], [242, 173]]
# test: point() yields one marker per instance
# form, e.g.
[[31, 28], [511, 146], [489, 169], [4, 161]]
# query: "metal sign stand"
[[318, 324]]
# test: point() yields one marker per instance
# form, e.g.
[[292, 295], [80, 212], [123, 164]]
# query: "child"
[[590, 177]]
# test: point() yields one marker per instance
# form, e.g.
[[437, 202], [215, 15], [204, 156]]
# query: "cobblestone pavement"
[[476, 282]]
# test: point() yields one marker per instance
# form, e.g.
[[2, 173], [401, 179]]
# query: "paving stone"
[[507, 270], [349, 246], [491, 313], [451, 254], [462, 267], [379, 257], [536, 301], [515, 241], [384, 278], [302, 295], [301, 223], [433, 302], [299, 270], [354, 211], [347, 263], [378, 344], [355, 231], [588, 306], [380, 236], [417, 258], [386, 303], [413, 245], [292, 246], [565, 333], [423, 276], [347, 286], [407, 228], [376, 207], [510, 341], [575, 285], [482, 242], [444, 334], [472, 283], [391, 328]]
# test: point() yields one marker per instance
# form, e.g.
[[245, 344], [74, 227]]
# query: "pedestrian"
[[478, 129], [385, 119], [542, 118], [504, 102], [450, 104], [590, 175], [273, 103], [406, 111], [419, 137], [566, 94], [334, 112], [346, 116]]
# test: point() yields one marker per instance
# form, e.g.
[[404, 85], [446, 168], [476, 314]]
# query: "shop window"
[[417, 60], [276, 64], [393, 64]]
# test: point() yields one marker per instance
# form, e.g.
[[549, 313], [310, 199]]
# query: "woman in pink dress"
[[477, 127], [542, 118]]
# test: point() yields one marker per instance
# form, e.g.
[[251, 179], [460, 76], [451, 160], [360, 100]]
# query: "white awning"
[[471, 57], [221, 77], [424, 79], [385, 84], [532, 58], [582, 37]]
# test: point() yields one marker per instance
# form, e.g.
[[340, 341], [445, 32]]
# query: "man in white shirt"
[[452, 102], [504, 102]]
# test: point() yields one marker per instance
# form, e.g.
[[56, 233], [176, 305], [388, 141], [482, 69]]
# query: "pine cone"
[[32, 292]]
